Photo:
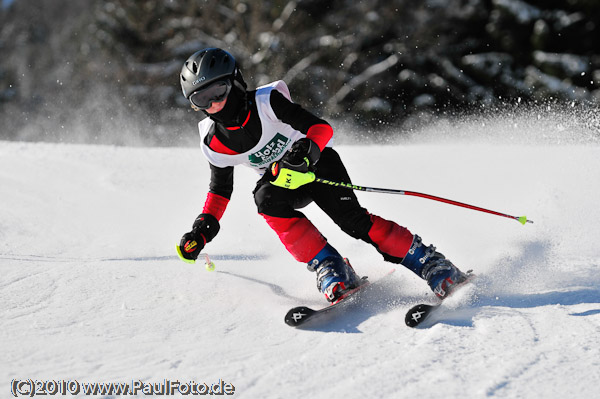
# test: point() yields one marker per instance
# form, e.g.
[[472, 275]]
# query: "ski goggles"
[[215, 92]]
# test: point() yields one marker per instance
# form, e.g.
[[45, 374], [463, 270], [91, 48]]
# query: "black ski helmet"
[[207, 66]]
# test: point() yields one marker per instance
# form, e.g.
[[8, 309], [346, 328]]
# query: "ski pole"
[[520, 219]]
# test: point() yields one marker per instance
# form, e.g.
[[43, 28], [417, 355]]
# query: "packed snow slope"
[[91, 289]]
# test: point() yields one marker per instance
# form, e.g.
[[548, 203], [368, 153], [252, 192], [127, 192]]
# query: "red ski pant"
[[279, 207]]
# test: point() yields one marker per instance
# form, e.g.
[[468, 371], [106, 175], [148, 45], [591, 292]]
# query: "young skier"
[[263, 129]]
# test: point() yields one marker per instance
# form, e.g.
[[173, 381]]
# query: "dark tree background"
[[106, 71]]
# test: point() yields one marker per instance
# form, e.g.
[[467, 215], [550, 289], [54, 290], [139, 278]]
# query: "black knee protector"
[[357, 224]]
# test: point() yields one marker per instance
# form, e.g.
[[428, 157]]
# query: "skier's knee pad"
[[276, 201], [262, 198], [356, 224]]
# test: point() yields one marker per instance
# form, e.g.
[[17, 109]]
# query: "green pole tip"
[[523, 220]]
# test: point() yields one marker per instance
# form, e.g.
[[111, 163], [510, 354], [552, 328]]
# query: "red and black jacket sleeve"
[[300, 119], [220, 189]]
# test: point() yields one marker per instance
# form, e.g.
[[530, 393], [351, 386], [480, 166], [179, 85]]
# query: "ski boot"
[[335, 276], [441, 275]]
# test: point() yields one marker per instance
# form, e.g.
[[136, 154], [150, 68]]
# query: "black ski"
[[423, 311], [419, 313], [301, 315]]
